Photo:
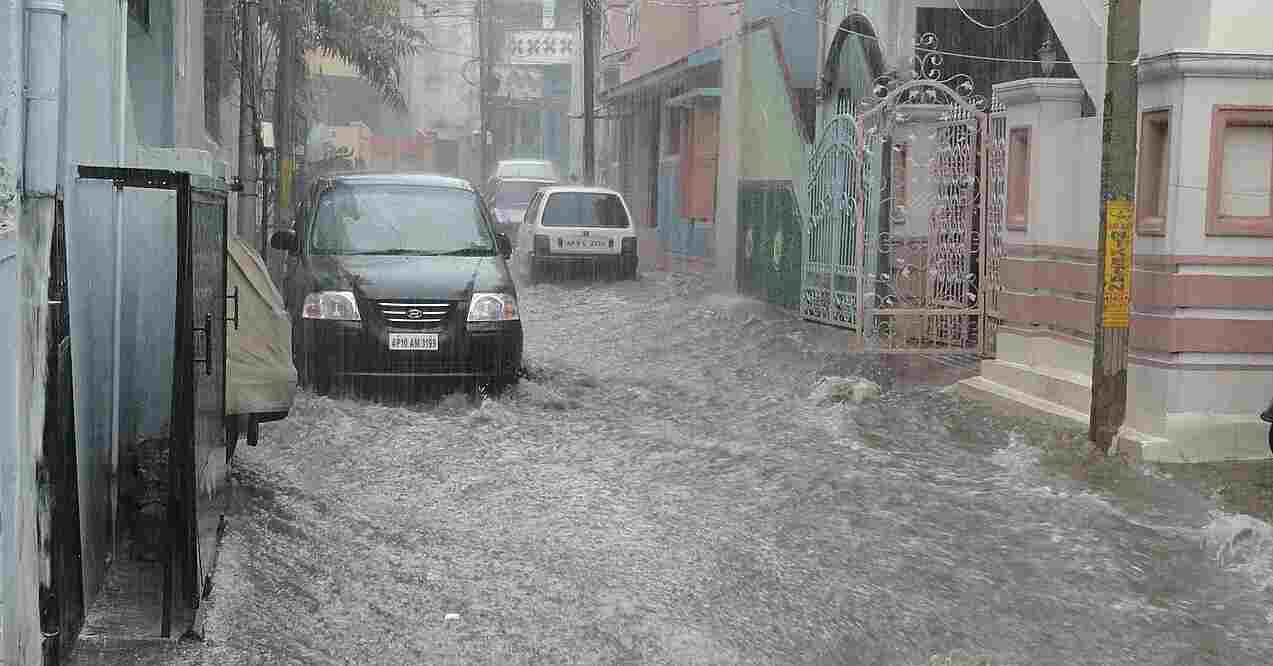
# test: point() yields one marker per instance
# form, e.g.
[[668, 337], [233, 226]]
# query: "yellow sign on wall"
[[1117, 290], [286, 170]]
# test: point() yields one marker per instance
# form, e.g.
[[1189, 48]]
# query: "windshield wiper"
[[467, 252], [394, 252]]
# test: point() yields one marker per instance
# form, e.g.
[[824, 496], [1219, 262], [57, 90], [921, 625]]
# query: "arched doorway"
[[835, 259], [897, 202], [854, 61]]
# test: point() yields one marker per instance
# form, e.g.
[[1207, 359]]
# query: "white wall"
[[1191, 101]]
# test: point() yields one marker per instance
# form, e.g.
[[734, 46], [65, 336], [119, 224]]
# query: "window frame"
[[1019, 184], [900, 168], [139, 10], [1222, 118], [1152, 221]]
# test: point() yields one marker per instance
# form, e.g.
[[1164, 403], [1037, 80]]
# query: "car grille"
[[415, 314]]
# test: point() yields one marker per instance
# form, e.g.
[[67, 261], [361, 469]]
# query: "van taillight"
[[541, 244], [629, 246]]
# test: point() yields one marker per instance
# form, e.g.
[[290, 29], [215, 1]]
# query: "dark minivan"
[[400, 275]]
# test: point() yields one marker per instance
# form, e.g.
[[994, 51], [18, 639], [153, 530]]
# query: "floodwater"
[[662, 489]]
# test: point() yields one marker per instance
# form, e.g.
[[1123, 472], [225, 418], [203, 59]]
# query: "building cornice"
[[1208, 63], [1034, 91]]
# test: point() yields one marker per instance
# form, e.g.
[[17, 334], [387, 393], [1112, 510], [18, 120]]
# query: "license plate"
[[413, 341], [585, 243]]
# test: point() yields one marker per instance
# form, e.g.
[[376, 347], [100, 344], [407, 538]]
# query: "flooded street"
[[662, 488]]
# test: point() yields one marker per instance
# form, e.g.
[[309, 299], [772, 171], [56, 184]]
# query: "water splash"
[[1242, 543]]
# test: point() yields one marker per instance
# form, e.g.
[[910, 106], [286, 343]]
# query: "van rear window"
[[585, 209]]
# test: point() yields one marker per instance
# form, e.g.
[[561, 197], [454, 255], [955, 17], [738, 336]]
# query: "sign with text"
[[1117, 290], [540, 47], [550, 14]]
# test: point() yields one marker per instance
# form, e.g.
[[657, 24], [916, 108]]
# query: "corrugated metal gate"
[[197, 444], [905, 229]]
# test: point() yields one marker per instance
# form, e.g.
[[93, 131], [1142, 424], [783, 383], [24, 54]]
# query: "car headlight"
[[493, 307], [331, 305]]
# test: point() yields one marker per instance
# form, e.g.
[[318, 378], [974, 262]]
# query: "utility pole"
[[1114, 251], [484, 79], [589, 93], [247, 121], [284, 97]]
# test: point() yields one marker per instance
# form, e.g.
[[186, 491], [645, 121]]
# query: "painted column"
[[16, 620]]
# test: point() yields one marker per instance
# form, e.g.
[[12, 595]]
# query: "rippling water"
[[661, 490]]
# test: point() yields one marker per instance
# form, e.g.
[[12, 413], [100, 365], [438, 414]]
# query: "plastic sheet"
[[260, 374]]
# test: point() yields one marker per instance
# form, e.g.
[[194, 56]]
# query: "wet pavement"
[[662, 489]]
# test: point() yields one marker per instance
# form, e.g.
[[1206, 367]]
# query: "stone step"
[[1068, 389]]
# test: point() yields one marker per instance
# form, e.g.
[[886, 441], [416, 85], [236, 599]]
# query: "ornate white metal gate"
[[906, 216]]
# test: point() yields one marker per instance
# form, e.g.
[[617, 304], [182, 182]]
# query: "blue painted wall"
[[94, 34], [676, 234], [797, 32], [150, 78]]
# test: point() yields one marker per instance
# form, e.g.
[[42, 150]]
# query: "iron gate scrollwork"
[[902, 240]]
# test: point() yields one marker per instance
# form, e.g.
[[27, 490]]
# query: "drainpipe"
[[117, 268], [44, 57], [17, 621]]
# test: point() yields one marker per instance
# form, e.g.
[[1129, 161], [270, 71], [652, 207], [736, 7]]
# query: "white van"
[[572, 225]]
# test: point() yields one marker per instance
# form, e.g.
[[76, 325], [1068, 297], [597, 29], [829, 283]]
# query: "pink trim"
[[1150, 289], [1222, 117], [1145, 261], [1154, 224], [1219, 336], [1133, 358], [1170, 335], [1018, 218]]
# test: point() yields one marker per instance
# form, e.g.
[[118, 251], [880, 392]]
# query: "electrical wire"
[[952, 54], [979, 24]]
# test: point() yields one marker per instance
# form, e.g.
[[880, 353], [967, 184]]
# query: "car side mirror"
[[504, 245], [284, 240]]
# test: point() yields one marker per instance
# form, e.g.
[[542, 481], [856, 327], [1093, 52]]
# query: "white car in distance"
[[572, 226]]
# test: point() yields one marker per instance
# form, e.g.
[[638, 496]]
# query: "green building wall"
[[772, 187]]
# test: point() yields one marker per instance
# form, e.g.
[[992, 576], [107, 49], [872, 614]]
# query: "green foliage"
[[367, 34]]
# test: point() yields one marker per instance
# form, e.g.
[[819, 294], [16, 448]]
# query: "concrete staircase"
[[1048, 394], [1051, 395]]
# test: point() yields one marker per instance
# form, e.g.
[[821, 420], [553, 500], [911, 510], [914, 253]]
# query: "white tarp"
[[260, 376]]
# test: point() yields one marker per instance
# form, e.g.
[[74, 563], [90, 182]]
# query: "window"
[[400, 220], [585, 209], [1241, 183], [633, 20], [672, 139], [512, 194], [1153, 173], [900, 178], [217, 27], [139, 10], [1018, 177]]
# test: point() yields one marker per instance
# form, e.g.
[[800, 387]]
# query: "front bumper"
[[615, 261], [352, 349]]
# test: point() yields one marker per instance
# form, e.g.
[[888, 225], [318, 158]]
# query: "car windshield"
[[585, 209], [399, 220], [543, 170], [516, 194]]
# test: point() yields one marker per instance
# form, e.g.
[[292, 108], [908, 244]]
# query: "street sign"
[[1117, 290], [540, 47]]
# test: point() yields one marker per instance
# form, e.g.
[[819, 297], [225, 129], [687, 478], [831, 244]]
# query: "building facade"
[[142, 84], [1200, 367]]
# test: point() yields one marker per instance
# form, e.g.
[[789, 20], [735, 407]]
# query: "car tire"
[[317, 381]]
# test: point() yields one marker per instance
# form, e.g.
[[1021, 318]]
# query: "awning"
[[695, 97]]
